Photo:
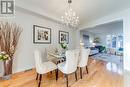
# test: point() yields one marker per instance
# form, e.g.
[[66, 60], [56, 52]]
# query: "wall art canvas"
[[41, 35], [63, 37]]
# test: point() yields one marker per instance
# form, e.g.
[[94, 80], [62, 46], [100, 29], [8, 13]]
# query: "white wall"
[[126, 34], [24, 58], [91, 36]]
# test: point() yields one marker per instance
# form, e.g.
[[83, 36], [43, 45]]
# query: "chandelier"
[[70, 19]]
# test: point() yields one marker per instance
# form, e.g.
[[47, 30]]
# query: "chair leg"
[[40, 80], [51, 72], [37, 76], [66, 76], [56, 71], [76, 75], [81, 72], [87, 69]]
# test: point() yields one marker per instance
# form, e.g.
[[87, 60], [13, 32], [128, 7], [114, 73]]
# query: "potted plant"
[[4, 56], [9, 37], [96, 40], [64, 47]]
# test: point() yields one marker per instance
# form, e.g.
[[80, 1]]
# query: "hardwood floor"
[[99, 76]]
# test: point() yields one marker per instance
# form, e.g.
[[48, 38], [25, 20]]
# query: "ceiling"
[[111, 27], [87, 10]]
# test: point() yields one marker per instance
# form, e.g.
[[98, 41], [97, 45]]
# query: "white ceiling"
[[87, 10]]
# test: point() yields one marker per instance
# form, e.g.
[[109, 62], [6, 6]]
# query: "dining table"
[[60, 57]]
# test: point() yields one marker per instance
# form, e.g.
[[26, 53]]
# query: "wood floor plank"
[[99, 76]]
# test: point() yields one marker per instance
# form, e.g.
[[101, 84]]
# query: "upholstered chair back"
[[38, 61], [83, 59], [71, 61]]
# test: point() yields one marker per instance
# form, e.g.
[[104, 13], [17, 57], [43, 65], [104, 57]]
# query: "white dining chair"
[[83, 60], [43, 67], [70, 65]]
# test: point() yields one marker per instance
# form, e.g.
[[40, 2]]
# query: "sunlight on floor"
[[114, 68]]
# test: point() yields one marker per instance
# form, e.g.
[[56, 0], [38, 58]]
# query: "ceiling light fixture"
[[70, 19]]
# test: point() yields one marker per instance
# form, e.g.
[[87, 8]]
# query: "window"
[[113, 41], [120, 42], [108, 41]]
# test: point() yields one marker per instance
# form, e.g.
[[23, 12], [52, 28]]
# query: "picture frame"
[[41, 35], [63, 37]]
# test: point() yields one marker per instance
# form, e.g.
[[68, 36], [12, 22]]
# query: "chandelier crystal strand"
[[70, 19]]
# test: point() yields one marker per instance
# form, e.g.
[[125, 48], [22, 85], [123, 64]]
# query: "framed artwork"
[[63, 37], [41, 35]]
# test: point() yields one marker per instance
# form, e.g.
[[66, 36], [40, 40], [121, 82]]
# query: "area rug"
[[109, 58]]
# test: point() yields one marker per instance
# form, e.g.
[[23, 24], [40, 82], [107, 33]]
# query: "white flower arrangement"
[[4, 56], [64, 45]]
